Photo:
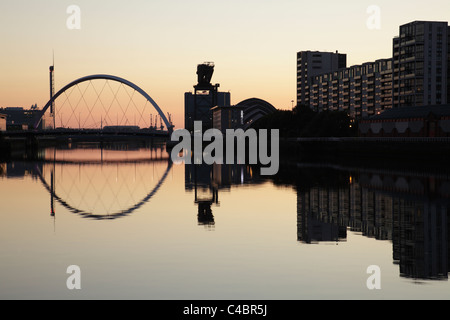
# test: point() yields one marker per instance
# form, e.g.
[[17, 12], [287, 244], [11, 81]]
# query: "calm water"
[[140, 227]]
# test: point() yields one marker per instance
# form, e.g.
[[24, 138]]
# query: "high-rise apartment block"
[[311, 64], [421, 59], [418, 74]]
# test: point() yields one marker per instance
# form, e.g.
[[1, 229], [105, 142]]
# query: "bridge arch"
[[105, 77], [109, 216]]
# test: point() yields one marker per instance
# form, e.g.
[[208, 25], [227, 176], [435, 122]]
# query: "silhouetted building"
[[423, 121], [255, 109], [228, 118], [359, 90], [241, 116], [24, 119], [421, 71], [206, 96], [418, 74], [311, 64]]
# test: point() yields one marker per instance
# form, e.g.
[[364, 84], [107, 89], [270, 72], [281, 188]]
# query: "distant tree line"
[[302, 121]]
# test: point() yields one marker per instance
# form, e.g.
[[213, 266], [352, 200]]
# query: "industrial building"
[[19, 118], [228, 118], [213, 108], [206, 96], [241, 116], [255, 109]]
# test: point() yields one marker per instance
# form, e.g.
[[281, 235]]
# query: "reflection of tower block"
[[198, 179], [206, 96], [205, 215], [205, 197]]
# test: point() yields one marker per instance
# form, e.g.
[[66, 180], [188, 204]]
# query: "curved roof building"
[[255, 109]]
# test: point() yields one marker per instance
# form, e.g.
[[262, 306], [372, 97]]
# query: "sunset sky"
[[158, 44]]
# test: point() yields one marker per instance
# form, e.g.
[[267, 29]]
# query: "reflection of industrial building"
[[19, 169], [411, 211], [206, 181], [198, 179]]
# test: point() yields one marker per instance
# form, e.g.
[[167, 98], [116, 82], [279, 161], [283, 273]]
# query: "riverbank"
[[26, 145], [347, 151], [426, 149]]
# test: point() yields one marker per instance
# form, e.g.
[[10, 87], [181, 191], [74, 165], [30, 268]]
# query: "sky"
[[158, 44]]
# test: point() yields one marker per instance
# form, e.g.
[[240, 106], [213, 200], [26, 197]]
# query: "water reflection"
[[410, 209], [207, 180], [97, 181]]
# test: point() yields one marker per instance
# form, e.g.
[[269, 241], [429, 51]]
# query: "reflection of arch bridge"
[[75, 83], [50, 187]]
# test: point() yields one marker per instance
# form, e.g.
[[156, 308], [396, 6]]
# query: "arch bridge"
[[106, 77]]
